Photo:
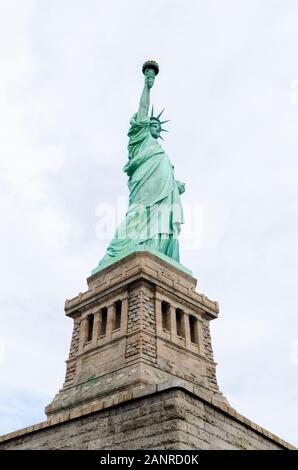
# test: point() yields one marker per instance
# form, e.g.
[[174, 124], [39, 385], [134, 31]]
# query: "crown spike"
[[160, 113], [152, 114], [161, 137], [163, 122], [164, 130]]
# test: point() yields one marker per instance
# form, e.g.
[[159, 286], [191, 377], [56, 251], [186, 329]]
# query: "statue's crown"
[[156, 118]]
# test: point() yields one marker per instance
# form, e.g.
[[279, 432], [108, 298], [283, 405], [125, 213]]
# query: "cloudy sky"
[[70, 80]]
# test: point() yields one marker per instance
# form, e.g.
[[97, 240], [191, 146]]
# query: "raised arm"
[[145, 97]]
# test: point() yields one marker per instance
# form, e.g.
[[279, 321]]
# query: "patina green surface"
[[100, 267], [154, 214]]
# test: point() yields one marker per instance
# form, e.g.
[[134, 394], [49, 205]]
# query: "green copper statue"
[[155, 212]]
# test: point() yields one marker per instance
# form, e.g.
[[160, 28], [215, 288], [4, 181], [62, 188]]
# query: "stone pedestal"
[[140, 373], [140, 323], [159, 417]]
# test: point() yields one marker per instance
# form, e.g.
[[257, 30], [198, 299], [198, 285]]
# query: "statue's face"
[[154, 129]]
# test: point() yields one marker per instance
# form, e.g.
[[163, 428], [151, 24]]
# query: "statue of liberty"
[[155, 212]]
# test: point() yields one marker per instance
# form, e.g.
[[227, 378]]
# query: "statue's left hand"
[[180, 186]]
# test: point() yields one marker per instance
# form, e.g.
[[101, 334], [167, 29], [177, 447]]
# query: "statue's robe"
[[155, 212]]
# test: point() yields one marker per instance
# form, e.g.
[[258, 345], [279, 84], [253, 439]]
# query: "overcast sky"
[[70, 80]]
